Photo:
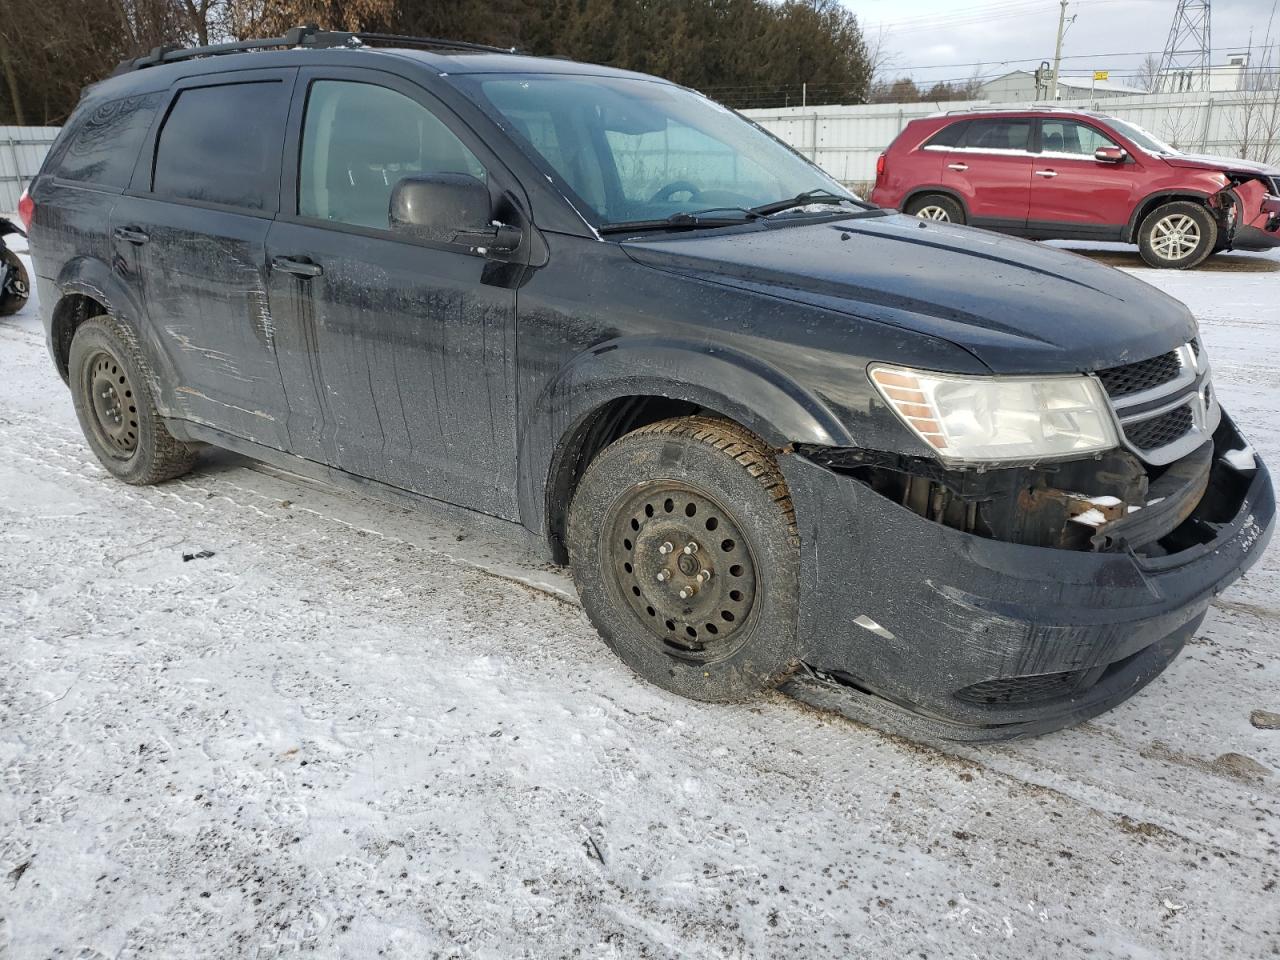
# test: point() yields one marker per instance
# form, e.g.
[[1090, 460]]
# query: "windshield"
[[638, 150], [1147, 141]]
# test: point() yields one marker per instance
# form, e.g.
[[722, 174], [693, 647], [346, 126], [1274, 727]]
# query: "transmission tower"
[[1185, 64]]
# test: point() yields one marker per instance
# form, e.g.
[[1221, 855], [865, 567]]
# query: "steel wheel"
[[681, 563], [114, 413], [933, 212], [1175, 237]]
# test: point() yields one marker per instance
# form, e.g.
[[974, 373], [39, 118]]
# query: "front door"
[[398, 355], [991, 170], [1072, 192], [190, 237]]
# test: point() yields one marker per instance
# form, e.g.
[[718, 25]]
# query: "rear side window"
[[222, 145], [103, 144], [998, 134], [950, 135]]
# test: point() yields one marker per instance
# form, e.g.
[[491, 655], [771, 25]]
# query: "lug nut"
[[665, 549], [663, 576], [703, 576], [690, 547], [687, 592]]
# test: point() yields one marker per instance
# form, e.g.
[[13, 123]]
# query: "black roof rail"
[[309, 36]]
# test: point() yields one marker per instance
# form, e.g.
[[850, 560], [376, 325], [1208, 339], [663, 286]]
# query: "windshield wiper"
[[809, 196], [685, 221]]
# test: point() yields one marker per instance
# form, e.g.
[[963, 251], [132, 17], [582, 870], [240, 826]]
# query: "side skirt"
[[311, 470], [1053, 230]]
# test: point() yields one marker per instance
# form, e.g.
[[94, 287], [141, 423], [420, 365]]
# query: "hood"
[[1197, 161], [1020, 307]]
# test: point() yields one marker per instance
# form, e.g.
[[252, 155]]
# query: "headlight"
[[991, 419]]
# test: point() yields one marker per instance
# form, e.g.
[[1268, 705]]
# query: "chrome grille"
[[1143, 375], [1161, 430], [1165, 405]]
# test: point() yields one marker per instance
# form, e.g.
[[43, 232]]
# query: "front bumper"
[[918, 626]]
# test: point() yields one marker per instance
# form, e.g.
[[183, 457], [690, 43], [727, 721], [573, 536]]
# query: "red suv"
[[1073, 175]]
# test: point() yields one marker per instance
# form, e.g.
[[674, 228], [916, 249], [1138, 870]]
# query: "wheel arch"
[[87, 288], [1160, 197], [918, 192], [623, 385]]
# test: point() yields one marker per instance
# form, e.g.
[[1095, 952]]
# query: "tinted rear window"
[[999, 135], [103, 145], [222, 145], [948, 136]]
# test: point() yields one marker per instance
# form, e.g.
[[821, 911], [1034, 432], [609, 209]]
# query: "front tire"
[[1177, 236], [112, 392], [684, 548], [936, 206]]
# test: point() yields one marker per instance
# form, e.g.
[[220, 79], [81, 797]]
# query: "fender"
[[728, 382], [94, 279]]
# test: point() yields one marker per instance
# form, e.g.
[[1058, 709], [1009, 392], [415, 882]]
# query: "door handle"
[[298, 266], [1046, 173], [130, 235], [958, 166]]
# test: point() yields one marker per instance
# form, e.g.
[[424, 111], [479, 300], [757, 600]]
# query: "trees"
[[738, 50]]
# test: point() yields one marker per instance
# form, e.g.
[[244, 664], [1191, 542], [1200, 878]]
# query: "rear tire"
[[701, 503], [936, 206], [111, 388], [1177, 236], [14, 297]]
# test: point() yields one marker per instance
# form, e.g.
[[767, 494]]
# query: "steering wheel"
[[676, 186]]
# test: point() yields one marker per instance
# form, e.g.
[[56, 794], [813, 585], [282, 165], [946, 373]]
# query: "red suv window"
[[998, 133]]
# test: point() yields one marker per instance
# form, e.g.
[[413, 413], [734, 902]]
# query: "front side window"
[[1067, 136], [222, 145], [359, 140], [637, 150], [998, 134]]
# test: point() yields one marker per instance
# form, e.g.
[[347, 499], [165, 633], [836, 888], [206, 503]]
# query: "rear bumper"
[[917, 625]]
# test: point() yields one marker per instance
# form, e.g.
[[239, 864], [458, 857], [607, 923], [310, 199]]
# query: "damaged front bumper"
[[917, 625]]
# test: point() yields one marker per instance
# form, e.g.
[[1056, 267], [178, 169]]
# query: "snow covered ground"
[[359, 731]]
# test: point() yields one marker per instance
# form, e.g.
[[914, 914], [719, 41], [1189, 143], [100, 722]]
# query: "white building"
[[1021, 85], [1227, 77]]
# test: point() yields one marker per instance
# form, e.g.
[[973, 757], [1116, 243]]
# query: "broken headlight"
[[999, 419]]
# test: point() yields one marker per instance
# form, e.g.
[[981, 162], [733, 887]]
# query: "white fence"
[[22, 150], [845, 141]]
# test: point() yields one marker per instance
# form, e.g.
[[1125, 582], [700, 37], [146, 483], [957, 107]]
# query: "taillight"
[[26, 210], [880, 164]]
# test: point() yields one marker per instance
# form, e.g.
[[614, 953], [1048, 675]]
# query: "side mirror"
[[1110, 155], [449, 208]]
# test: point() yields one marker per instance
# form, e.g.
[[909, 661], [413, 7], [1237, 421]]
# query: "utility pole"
[[1057, 53]]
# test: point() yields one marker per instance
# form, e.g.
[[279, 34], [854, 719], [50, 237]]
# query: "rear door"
[[398, 354], [190, 237], [1072, 193], [991, 170]]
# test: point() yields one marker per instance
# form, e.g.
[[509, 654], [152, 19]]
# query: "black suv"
[[954, 480]]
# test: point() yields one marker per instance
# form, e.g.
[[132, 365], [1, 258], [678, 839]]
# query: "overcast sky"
[[942, 39]]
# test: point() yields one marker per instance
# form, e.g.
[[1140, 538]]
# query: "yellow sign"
[[1102, 74]]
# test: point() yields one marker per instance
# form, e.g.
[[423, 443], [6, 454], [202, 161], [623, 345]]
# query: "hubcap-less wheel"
[[933, 212], [115, 416], [1175, 237], [683, 566]]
